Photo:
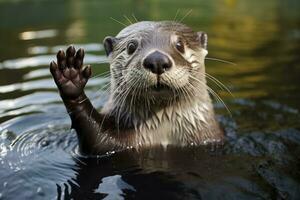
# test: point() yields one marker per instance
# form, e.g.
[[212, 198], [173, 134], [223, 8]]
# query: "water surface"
[[260, 160]]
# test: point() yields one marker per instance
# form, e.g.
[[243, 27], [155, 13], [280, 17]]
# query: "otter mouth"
[[160, 87]]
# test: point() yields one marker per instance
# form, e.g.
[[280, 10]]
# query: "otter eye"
[[180, 46], [131, 47]]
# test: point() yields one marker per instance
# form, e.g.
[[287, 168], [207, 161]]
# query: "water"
[[260, 160]]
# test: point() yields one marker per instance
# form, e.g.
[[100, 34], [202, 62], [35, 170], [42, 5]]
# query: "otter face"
[[158, 61]]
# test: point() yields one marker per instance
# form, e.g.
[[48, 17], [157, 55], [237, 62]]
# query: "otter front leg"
[[71, 77]]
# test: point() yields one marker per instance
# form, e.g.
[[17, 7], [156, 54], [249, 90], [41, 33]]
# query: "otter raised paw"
[[71, 77], [69, 74]]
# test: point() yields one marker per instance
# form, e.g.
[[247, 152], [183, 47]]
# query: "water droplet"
[[39, 190], [50, 125], [45, 143], [17, 169]]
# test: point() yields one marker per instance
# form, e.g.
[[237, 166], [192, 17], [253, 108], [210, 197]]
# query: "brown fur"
[[137, 115]]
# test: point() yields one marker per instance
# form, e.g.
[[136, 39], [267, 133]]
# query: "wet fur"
[[136, 117]]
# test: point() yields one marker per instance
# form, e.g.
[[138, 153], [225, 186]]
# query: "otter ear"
[[202, 37], [109, 43]]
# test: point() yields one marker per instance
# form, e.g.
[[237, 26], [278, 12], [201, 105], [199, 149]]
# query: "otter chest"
[[173, 126]]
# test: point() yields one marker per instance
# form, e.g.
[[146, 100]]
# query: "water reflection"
[[38, 151], [30, 35], [44, 49], [113, 187], [44, 60]]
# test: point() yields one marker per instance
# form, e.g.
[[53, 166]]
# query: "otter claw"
[[61, 59], [71, 51], [87, 71], [79, 58]]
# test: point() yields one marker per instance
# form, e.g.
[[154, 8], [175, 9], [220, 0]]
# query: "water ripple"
[[30, 35], [47, 139], [31, 99], [44, 60], [90, 47], [47, 83]]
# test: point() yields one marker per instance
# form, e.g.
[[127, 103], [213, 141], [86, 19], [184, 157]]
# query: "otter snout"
[[157, 62]]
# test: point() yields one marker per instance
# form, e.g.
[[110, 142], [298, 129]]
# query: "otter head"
[[158, 63]]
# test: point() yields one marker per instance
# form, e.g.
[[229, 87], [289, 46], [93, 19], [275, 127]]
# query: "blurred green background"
[[261, 37]]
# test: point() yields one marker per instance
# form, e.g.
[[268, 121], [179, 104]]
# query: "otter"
[[158, 91]]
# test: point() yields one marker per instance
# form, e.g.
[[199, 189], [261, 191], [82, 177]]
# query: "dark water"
[[260, 159]]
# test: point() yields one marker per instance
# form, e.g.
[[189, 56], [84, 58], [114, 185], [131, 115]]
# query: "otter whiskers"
[[187, 14], [118, 21], [218, 83], [130, 22], [136, 20], [220, 60], [212, 92]]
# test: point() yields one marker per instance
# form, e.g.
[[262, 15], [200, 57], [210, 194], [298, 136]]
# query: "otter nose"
[[157, 63]]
